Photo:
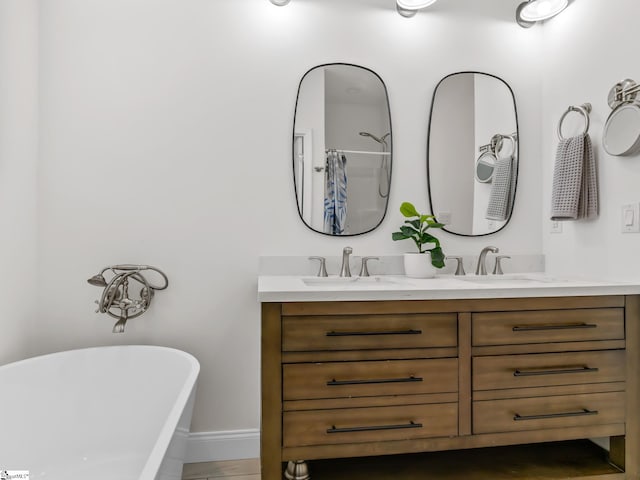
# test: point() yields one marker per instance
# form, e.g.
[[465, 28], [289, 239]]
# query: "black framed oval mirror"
[[342, 149], [472, 153]]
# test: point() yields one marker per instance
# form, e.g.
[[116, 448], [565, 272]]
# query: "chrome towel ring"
[[584, 109]]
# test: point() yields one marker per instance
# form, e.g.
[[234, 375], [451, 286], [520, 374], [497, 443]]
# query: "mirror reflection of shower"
[[384, 162]]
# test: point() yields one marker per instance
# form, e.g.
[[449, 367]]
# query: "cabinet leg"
[[297, 470]]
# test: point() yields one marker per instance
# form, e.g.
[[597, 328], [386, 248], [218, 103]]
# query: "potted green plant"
[[423, 263]]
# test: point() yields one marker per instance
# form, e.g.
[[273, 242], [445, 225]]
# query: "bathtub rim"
[[187, 388]]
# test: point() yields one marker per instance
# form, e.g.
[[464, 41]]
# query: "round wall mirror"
[[472, 158], [621, 134], [485, 166], [342, 149]]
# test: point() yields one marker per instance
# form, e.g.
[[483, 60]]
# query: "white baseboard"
[[225, 445]]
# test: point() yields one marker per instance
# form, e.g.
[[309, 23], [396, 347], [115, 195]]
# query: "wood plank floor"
[[228, 469], [581, 460]]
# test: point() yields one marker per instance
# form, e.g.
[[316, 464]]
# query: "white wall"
[[18, 158], [166, 139], [587, 49], [310, 119]]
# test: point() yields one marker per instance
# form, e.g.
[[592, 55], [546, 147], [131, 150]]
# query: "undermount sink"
[[347, 281], [518, 279]]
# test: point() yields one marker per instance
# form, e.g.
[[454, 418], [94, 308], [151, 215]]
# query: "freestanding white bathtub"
[[119, 413]]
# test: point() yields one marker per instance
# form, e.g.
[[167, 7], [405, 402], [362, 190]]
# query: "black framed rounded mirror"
[[342, 149], [472, 153]]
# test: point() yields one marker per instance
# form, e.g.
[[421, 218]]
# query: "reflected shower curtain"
[[335, 194]]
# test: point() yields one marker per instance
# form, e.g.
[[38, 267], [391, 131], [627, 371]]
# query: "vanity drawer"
[[356, 425], [563, 411], [363, 379], [545, 326], [547, 369], [362, 332]]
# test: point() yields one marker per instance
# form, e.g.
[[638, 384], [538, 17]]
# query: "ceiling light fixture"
[[532, 11], [280, 3], [408, 8]]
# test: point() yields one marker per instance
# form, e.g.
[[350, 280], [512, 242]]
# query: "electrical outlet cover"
[[444, 217]]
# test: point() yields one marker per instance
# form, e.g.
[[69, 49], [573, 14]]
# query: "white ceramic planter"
[[418, 265]]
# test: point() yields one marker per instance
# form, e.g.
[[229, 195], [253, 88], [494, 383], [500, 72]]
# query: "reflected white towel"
[[575, 180]]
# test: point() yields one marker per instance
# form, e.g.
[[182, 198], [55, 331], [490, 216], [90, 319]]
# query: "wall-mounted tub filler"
[[116, 300]]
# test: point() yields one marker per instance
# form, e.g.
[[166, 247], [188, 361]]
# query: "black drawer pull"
[[362, 334], [333, 429], [531, 373], [582, 413], [334, 382], [562, 326]]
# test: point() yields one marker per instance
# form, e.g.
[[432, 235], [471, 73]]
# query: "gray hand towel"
[[502, 184], [575, 181]]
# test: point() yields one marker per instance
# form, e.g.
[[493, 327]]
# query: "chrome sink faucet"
[[345, 271], [481, 269]]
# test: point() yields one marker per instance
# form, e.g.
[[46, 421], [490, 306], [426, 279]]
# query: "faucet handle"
[[322, 272], [364, 271], [497, 270], [460, 268]]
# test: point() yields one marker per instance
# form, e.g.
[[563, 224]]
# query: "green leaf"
[[426, 238], [435, 225], [414, 223], [437, 257], [409, 231], [408, 210], [399, 236], [416, 229]]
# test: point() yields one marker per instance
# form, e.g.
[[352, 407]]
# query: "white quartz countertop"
[[290, 288]]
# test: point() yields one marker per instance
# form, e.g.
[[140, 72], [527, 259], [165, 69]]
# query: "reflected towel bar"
[[496, 143], [358, 152]]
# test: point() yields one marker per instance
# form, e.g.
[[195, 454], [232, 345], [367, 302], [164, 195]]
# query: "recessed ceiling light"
[[280, 3]]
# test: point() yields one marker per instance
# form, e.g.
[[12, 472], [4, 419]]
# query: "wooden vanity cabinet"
[[356, 379]]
